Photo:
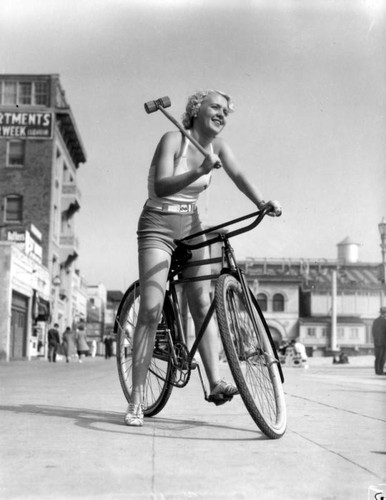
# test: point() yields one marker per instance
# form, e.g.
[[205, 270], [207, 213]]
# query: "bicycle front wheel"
[[161, 373], [250, 355]]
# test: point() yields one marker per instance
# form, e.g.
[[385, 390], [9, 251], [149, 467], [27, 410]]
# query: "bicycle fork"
[[269, 360]]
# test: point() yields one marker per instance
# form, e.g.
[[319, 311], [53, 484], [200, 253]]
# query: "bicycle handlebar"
[[259, 217]]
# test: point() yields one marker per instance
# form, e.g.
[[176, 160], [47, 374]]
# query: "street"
[[63, 437]]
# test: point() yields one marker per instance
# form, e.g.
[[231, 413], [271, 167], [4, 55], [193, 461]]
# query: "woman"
[[68, 340], [177, 175], [81, 343]]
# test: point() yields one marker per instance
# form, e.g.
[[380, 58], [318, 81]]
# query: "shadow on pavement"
[[91, 419]]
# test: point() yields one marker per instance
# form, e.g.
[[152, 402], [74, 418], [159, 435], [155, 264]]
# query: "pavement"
[[62, 437]]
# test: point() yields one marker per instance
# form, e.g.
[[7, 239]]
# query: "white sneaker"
[[134, 415]]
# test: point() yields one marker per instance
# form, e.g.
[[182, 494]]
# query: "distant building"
[[24, 299], [114, 298], [40, 152], [96, 311], [327, 304]]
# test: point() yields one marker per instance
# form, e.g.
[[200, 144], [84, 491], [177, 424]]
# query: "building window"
[[354, 333], [16, 153], [8, 93], [324, 332], [311, 332], [340, 333], [66, 228], [262, 301], [67, 175], [13, 208], [278, 302], [55, 223], [23, 93], [41, 94]]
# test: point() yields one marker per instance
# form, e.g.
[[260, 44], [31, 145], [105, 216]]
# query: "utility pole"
[[382, 233], [333, 311]]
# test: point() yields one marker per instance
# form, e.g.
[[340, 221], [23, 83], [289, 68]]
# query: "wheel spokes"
[[254, 360]]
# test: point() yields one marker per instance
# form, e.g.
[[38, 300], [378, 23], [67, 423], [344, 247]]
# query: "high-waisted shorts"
[[157, 229]]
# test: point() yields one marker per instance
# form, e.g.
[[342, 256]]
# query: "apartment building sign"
[[27, 241], [26, 125]]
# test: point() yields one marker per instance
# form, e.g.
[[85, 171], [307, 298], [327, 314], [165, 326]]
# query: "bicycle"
[[247, 342]]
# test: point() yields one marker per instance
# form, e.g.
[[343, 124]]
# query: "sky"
[[308, 81]]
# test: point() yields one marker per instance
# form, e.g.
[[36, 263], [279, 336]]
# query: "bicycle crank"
[[182, 365]]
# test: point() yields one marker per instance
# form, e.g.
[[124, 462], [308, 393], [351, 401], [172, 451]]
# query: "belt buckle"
[[185, 208]]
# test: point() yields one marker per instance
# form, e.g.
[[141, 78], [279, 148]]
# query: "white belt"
[[180, 208]]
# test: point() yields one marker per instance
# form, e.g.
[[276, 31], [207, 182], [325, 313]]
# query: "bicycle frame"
[[246, 340], [228, 264]]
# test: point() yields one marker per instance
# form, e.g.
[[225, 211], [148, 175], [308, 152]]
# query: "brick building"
[[40, 152]]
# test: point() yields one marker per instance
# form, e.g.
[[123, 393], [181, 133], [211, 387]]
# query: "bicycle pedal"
[[219, 400]]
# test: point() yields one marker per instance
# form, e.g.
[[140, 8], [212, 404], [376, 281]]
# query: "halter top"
[[191, 192]]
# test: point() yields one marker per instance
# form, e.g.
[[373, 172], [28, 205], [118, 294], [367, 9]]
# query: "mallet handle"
[[181, 128]]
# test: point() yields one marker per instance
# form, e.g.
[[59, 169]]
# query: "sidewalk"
[[62, 437], [355, 361]]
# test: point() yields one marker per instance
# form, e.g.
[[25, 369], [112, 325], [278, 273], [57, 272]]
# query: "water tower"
[[348, 251]]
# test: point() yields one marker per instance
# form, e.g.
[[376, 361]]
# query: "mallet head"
[[162, 102]]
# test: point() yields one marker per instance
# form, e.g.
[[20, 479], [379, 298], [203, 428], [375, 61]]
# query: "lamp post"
[[382, 232], [334, 346]]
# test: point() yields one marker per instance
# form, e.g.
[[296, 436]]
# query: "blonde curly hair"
[[194, 103]]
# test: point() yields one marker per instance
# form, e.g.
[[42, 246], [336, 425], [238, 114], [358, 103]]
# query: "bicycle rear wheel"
[[251, 358], [161, 373]]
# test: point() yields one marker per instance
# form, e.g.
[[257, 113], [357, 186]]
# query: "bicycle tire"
[[251, 357], [160, 376]]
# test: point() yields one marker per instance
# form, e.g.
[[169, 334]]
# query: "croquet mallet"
[[161, 104]]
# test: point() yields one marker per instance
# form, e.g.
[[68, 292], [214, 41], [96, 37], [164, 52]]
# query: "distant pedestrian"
[[93, 348], [379, 337], [69, 343], [81, 343], [300, 350], [295, 354], [283, 347], [108, 341], [53, 342], [340, 359]]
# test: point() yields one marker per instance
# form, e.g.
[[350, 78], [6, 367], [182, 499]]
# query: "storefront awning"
[[40, 308]]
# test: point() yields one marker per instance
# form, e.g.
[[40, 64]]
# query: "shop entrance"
[[18, 347]]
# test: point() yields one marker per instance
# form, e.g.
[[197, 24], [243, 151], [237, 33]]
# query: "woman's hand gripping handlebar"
[[274, 207]]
